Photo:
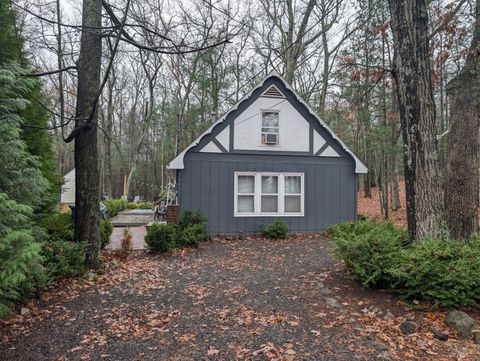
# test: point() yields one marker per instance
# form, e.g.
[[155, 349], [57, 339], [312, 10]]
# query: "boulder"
[[408, 327], [462, 323], [439, 335]]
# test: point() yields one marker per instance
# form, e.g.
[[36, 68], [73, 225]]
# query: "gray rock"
[[91, 276], [408, 327], [388, 316], [439, 335], [379, 346], [24, 311], [477, 338], [325, 291], [462, 323], [332, 302]]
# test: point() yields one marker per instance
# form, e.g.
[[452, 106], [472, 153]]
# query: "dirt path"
[[227, 300]]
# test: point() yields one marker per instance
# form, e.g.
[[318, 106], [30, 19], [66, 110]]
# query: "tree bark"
[[108, 182], [461, 179], [87, 192], [425, 212]]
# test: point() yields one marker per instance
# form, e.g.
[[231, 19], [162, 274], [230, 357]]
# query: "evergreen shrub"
[[106, 229], [193, 235], [275, 230], [115, 205], [161, 238], [444, 272]]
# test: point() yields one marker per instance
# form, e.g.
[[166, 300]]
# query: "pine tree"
[[21, 178], [35, 118], [18, 251]]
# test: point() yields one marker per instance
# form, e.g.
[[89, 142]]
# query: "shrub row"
[[445, 272], [115, 205], [141, 205], [191, 231]]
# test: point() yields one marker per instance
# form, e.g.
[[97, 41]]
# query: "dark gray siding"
[[207, 184]]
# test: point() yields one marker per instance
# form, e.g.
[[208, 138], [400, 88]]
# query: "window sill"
[[241, 215]]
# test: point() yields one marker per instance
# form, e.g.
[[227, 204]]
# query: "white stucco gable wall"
[[293, 127]]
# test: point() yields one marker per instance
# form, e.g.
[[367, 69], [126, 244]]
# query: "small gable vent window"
[[273, 92], [270, 127]]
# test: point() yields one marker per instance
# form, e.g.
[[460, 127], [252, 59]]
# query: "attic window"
[[273, 92]]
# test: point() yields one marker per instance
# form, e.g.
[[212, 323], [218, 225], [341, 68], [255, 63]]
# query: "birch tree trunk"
[[87, 192], [461, 179], [425, 212]]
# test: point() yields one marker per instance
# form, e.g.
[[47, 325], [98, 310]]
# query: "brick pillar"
[[173, 214]]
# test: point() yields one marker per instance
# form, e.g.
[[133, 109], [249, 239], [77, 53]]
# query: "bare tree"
[[425, 212], [461, 178]]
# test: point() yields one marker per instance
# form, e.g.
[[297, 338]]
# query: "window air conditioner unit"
[[269, 138]]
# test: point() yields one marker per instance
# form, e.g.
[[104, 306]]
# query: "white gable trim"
[[211, 147], [177, 163], [224, 138], [318, 142], [329, 152]]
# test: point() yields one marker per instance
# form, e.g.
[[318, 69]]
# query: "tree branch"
[[72, 67], [447, 19]]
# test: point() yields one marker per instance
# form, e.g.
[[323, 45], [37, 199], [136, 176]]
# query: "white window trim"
[[258, 194], [261, 127]]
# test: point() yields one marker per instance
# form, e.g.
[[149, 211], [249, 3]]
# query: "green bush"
[[191, 217], [115, 205], [193, 235], [445, 272], [141, 205], [369, 248], [63, 259], [275, 230], [19, 253], [106, 229], [59, 226], [161, 238]]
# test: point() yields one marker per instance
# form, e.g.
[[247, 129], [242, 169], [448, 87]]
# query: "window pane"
[[246, 184], [269, 119], [270, 184], [245, 204], [269, 130], [293, 184], [293, 204], [269, 204]]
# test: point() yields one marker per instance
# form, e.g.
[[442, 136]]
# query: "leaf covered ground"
[[251, 299]]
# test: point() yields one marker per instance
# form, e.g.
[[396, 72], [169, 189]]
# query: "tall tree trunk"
[[108, 138], [87, 193], [425, 212], [461, 180], [395, 193]]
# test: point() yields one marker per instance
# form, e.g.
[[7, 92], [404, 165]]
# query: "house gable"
[[300, 130]]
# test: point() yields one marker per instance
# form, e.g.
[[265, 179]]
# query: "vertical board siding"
[[207, 184]]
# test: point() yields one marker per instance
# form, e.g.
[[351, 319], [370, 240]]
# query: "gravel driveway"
[[226, 300]]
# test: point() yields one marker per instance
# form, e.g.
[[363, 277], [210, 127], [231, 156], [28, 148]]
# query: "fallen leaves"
[[253, 293]]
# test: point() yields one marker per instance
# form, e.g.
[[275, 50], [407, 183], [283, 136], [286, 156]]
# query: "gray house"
[[269, 156]]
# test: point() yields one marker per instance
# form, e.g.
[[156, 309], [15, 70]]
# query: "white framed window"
[[268, 194], [270, 127]]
